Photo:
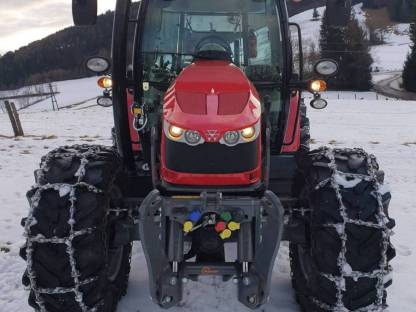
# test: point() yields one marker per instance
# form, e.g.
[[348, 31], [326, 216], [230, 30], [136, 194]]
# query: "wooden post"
[[14, 119]]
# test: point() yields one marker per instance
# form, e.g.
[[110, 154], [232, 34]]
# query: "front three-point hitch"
[[180, 235]]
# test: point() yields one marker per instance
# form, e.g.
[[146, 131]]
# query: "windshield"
[[246, 32]]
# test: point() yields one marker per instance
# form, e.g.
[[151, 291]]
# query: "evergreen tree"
[[315, 15], [349, 47], [375, 4], [400, 10], [60, 56], [409, 71]]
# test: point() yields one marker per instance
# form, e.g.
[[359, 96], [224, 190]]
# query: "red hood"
[[212, 95]]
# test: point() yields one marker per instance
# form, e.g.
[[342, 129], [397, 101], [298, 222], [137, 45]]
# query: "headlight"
[[192, 137], [180, 135], [175, 132], [245, 135], [231, 138], [248, 133], [317, 86], [105, 82]]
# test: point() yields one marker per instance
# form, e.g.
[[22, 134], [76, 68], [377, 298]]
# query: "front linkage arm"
[[161, 231]]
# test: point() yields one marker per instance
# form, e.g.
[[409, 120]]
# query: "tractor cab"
[[210, 66], [213, 92]]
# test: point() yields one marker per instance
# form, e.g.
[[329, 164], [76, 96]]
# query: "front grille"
[[211, 157]]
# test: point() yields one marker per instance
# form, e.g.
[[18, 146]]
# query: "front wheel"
[[74, 263], [344, 263]]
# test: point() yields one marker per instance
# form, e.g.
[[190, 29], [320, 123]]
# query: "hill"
[[60, 56], [389, 54], [56, 57]]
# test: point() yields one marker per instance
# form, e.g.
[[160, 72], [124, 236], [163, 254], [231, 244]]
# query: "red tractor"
[[210, 170]]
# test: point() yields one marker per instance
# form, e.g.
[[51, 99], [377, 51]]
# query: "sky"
[[24, 21]]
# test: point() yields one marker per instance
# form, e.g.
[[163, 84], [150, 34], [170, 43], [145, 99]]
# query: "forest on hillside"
[[57, 57], [61, 56]]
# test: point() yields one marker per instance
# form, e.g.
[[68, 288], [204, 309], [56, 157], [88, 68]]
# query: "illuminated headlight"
[[192, 137], [175, 132], [248, 133], [187, 136], [105, 82], [231, 138], [317, 86]]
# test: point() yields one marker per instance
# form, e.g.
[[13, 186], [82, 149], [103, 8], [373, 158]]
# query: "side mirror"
[[326, 68], [84, 12], [98, 64]]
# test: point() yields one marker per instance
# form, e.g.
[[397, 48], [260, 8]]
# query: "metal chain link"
[[66, 189], [344, 267]]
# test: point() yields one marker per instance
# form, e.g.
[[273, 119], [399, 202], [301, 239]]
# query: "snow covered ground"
[[69, 93], [86, 89], [387, 57], [385, 128]]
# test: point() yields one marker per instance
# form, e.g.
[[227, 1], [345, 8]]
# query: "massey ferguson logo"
[[212, 135]]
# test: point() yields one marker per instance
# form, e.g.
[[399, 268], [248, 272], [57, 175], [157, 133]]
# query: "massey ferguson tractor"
[[210, 171]]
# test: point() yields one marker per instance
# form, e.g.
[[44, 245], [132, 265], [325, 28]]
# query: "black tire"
[[344, 264], [70, 230]]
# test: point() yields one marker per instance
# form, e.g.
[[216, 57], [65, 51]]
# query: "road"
[[388, 87]]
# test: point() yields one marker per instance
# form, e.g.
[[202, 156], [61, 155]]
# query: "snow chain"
[[382, 220], [63, 190]]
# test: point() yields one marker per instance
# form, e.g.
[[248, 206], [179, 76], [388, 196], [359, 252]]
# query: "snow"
[[64, 190], [310, 28], [86, 89], [351, 95], [385, 128], [392, 55], [387, 57], [346, 183]]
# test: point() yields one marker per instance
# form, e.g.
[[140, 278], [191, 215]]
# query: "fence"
[[352, 95], [31, 95]]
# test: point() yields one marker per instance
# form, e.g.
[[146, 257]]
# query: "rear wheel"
[[344, 263], [73, 260]]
